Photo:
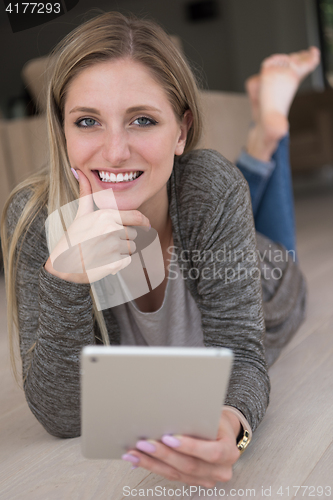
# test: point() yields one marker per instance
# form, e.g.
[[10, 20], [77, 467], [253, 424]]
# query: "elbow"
[[60, 432], [58, 426], [59, 420]]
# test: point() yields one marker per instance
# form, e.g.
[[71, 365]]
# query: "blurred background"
[[228, 39], [224, 41]]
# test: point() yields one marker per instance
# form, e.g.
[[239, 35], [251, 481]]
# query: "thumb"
[[86, 203]]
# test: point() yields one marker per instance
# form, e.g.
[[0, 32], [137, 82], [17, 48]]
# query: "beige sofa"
[[23, 142]]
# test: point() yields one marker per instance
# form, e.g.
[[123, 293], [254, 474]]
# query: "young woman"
[[123, 113]]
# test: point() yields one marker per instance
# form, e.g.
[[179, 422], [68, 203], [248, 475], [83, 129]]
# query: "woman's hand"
[[96, 244], [193, 461]]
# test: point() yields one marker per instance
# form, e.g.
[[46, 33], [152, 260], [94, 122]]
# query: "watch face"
[[244, 442]]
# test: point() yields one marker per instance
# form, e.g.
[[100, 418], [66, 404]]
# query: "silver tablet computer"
[[131, 393]]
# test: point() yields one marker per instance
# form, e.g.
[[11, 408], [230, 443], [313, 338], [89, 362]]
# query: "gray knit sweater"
[[210, 209]]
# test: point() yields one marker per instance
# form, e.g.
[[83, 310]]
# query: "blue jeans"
[[271, 192]]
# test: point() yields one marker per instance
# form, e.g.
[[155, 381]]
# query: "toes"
[[277, 60], [305, 61]]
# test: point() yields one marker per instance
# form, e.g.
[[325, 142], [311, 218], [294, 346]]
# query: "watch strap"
[[245, 436]]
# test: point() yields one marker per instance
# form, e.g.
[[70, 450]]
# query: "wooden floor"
[[293, 446]]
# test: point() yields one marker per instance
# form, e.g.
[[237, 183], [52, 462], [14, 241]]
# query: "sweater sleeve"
[[213, 221], [230, 299], [55, 321]]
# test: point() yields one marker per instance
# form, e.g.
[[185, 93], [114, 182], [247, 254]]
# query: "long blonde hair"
[[106, 37]]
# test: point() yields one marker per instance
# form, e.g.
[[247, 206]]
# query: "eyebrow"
[[133, 109], [85, 110]]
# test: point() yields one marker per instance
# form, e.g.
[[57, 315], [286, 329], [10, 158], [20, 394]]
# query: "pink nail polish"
[[170, 441], [130, 458], [145, 446], [75, 173]]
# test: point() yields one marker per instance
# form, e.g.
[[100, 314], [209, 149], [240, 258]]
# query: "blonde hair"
[[105, 37]]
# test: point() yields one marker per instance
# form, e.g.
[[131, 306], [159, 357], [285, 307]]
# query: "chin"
[[108, 198], [126, 204]]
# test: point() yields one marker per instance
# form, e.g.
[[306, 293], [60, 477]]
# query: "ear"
[[185, 126]]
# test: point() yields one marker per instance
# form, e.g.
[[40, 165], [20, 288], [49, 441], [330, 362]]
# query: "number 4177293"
[[32, 7]]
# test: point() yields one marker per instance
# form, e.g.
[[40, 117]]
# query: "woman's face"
[[118, 122]]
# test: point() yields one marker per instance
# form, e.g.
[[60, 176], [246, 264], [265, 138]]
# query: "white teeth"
[[111, 177]]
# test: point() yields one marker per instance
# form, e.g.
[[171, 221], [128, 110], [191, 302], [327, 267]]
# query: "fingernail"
[[130, 458], [146, 228], [145, 446], [75, 173], [134, 467], [170, 441]]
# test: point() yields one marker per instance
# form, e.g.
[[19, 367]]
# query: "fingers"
[[134, 218], [210, 451], [126, 247], [128, 233], [100, 272], [104, 235], [86, 205], [86, 202], [120, 264], [197, 461], [153, 464], [179, 467]]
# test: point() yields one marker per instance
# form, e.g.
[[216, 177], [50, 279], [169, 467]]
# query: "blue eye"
[[143, 121], [89, 122]]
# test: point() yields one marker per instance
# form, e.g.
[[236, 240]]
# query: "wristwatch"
[[245, 435]]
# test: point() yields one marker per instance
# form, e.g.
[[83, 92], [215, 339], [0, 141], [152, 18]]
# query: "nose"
[[116, 148]]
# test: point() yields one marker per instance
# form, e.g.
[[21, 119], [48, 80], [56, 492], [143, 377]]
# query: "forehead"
[[122, 81]]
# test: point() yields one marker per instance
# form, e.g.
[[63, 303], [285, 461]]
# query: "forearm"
[[65, 325]]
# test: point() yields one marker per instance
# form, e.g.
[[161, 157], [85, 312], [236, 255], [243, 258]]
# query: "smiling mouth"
[[119, 178]]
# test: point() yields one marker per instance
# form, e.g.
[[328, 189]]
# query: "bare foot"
[[279, 79]]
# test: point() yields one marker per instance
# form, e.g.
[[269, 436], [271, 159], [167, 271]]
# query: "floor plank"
[[321, 475]]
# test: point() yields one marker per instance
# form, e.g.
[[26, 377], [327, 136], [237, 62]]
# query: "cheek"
[[158, 150], [78, 149]]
